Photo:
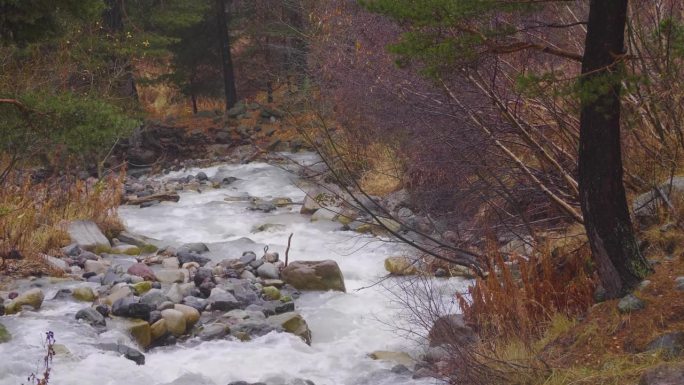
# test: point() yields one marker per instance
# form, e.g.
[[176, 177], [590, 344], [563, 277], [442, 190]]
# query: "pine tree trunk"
[[226, 58], [602, 194]]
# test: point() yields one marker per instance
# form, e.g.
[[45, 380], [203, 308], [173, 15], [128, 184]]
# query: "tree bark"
[[602, 194], [226, 58]]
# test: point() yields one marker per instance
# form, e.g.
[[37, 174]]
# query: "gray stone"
[[292, 323], [214, 331], [87, 235], [664, 374], [196, 247], [57, 264], [91, 316], [154, 298], [646, 205], [125, 351], [222, 300], [630, 303], [671, 344], [268, 270]]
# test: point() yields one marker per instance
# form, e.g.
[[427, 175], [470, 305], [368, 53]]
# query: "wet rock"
[[400, 358], [155, 315], [189, 257], [116, 294], [670, 344], [91, 316], [314, 275], [222, 300], [140, 311], [33, 298], [400, 266], [170, 276], [87, 235], [197, 248], [103, 309], [201, 176], [143, 271], [154, 297], [630, 303], [5, 335], [400, 370], [214, 331], [270, 293], [292, 323], [665, 374], [248, 257], [125, 351], [134, 239], [83, 293], [196, 303], [175, 322], [268, 270], [158, 329], [191, 314], [141, 288], [120, 306]]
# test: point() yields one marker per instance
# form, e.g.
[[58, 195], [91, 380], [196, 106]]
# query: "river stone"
[[125, 351], [630, 303], [451, 329], [5, 335], [136, 328], [116, 294], [141, 288], [401, 358], [170, 276], [175, 321], [191, 314], [292, 323], [140, 311], [33, 298], [214, 331], [83, 293], [271, 293], [143, 271], [196, 247], [314, 275], [95, 267], [222, 300], [325, 214], [91, 316], [158, 329], [170, 263], [664, 374], [671, 344], [120, 306], [154, 297], [134, 239], [268, 270], [57, 264], [400, 266]]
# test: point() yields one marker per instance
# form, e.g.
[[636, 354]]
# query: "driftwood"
[[161, 197]]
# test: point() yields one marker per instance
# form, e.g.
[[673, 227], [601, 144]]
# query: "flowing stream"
[[345, 327]]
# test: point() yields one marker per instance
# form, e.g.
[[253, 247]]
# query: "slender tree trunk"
[[297, 47], [226, 58], [602, 193], [113, 21], [193, 99]]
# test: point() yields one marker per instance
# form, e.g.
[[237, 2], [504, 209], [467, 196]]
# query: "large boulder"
[[451, 329], [87, 235], [125, 351], [175, 321], [91, 316], [314, 275], [83, 293], [191, 314], [400, 266], [33, 298], [292, 323]]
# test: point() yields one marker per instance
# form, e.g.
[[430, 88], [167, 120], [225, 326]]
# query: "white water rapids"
[[345, 327]]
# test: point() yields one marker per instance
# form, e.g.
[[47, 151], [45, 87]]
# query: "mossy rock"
[[84, 293], [271, 293], [5, 335], [292, 323], [314, 275], [141, 288]]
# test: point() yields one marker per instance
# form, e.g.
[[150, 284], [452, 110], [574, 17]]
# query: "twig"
[[287, 251]]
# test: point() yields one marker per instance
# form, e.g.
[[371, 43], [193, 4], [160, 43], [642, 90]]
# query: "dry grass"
[[33, 217]]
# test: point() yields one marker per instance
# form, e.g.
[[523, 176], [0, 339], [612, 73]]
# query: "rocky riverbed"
[[196, 291]]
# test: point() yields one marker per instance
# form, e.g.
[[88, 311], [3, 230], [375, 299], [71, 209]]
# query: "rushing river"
[[346, 327]]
